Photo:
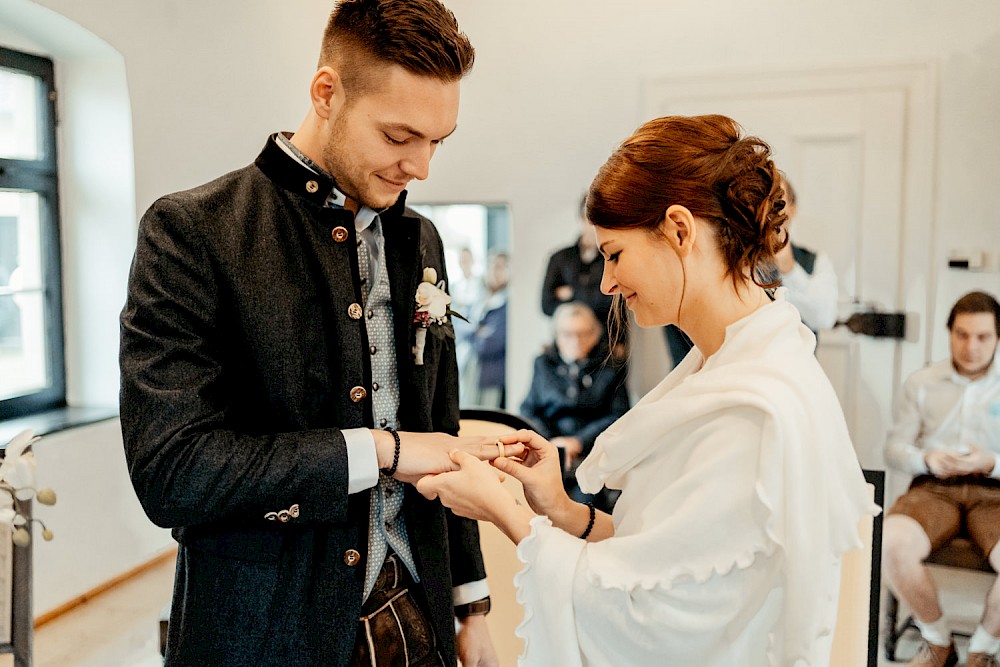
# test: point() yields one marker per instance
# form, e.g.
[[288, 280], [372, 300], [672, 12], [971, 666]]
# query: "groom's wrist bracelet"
[[389, 472], [477, 608]]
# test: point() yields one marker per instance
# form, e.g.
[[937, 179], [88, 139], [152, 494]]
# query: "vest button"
[[351, 557], [354, 311], [312, 187], [373, 349], [375, 386], [358, 394], [339, 234]]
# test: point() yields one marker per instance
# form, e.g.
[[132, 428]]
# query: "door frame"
[[918, 81]]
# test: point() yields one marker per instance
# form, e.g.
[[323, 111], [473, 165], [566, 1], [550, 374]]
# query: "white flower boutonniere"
[[432, 313]]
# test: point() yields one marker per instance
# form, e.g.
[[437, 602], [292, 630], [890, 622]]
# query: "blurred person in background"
[[576, 392]]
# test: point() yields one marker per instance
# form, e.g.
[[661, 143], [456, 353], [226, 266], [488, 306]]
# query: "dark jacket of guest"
[[566, 267], [244, 354], [490, 340], [578, 400]]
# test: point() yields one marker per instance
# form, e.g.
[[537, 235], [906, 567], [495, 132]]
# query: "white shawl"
[[745, 467]]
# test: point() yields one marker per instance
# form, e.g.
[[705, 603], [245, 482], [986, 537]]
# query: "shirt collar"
[[365, 216], [992, 373]]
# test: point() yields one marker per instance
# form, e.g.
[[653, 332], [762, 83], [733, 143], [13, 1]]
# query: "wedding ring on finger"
[[500, 450]]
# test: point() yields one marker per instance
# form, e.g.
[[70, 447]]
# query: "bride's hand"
[[472, 491], [539, 472]]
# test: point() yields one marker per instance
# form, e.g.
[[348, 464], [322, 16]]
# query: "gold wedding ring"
[[500, 451]]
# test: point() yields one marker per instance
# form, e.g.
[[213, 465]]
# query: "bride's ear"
[[679, 228]]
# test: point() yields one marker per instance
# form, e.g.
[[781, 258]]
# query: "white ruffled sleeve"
[[545, 590]]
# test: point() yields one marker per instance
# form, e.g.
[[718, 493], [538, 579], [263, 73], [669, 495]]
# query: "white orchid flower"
[[430, 275], [20, 442], [432, 300], [18, 467], [7, 513]]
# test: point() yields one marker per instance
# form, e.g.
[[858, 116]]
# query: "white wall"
[[100, 528], [556, 87]]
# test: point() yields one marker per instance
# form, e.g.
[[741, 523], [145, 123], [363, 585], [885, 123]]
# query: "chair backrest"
[[499, 554], [855, 639]]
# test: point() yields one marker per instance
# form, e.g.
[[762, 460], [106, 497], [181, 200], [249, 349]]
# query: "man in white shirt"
[[947, 434], [808, 275]]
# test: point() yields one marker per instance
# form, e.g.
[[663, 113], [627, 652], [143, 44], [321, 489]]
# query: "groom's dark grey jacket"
[[242, 359]]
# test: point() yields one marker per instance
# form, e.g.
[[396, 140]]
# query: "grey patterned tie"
[[386, 525]]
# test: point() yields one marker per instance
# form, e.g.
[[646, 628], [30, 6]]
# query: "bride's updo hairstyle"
[[704, 164]]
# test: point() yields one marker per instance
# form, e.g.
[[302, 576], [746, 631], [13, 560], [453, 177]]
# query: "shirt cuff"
[[470, 592], [995, 474], [362, 464], [918, 463]]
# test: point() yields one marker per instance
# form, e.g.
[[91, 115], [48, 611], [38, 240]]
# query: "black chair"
[[855, 638]]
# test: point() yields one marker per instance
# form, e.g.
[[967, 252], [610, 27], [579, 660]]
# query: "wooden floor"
[[118, 628]]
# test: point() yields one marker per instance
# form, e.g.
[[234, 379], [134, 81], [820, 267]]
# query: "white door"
[[845, 141]]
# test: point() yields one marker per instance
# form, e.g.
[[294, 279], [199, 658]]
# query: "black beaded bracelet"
[[590, 524], [389, 472]]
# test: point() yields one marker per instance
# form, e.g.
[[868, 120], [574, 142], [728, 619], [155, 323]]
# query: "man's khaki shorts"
[[947, 507]]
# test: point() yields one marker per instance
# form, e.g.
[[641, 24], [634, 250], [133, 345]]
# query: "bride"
[[740, 486]]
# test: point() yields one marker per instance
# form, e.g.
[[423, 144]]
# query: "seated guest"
[[576, 392], [947, 434]]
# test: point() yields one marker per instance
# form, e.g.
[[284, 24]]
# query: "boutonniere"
[[432, 313]]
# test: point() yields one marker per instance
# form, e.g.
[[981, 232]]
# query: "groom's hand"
[[422, 454]]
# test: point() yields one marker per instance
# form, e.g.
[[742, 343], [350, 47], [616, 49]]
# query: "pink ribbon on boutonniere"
[[432, 313]]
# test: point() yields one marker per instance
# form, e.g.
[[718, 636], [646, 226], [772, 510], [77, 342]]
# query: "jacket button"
[[339, 234], [294, 511], [312, 186], [351, 557], [284, 516], [354, 311], [358, 394]]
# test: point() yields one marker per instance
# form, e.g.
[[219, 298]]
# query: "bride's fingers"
[[511, 467], [428, 486]]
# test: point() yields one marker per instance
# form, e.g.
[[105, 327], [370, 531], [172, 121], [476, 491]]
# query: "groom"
[[267, 363]]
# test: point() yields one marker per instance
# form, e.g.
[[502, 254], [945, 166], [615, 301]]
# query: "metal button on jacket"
[[358, 394], [312, 186], [354, 311], [351, 557], [339, 234]]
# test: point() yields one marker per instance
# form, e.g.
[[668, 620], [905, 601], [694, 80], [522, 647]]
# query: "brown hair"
[[421, 36], [975, 302], [704, 164]]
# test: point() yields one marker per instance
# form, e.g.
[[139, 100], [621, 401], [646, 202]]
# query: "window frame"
[[41, 177]]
